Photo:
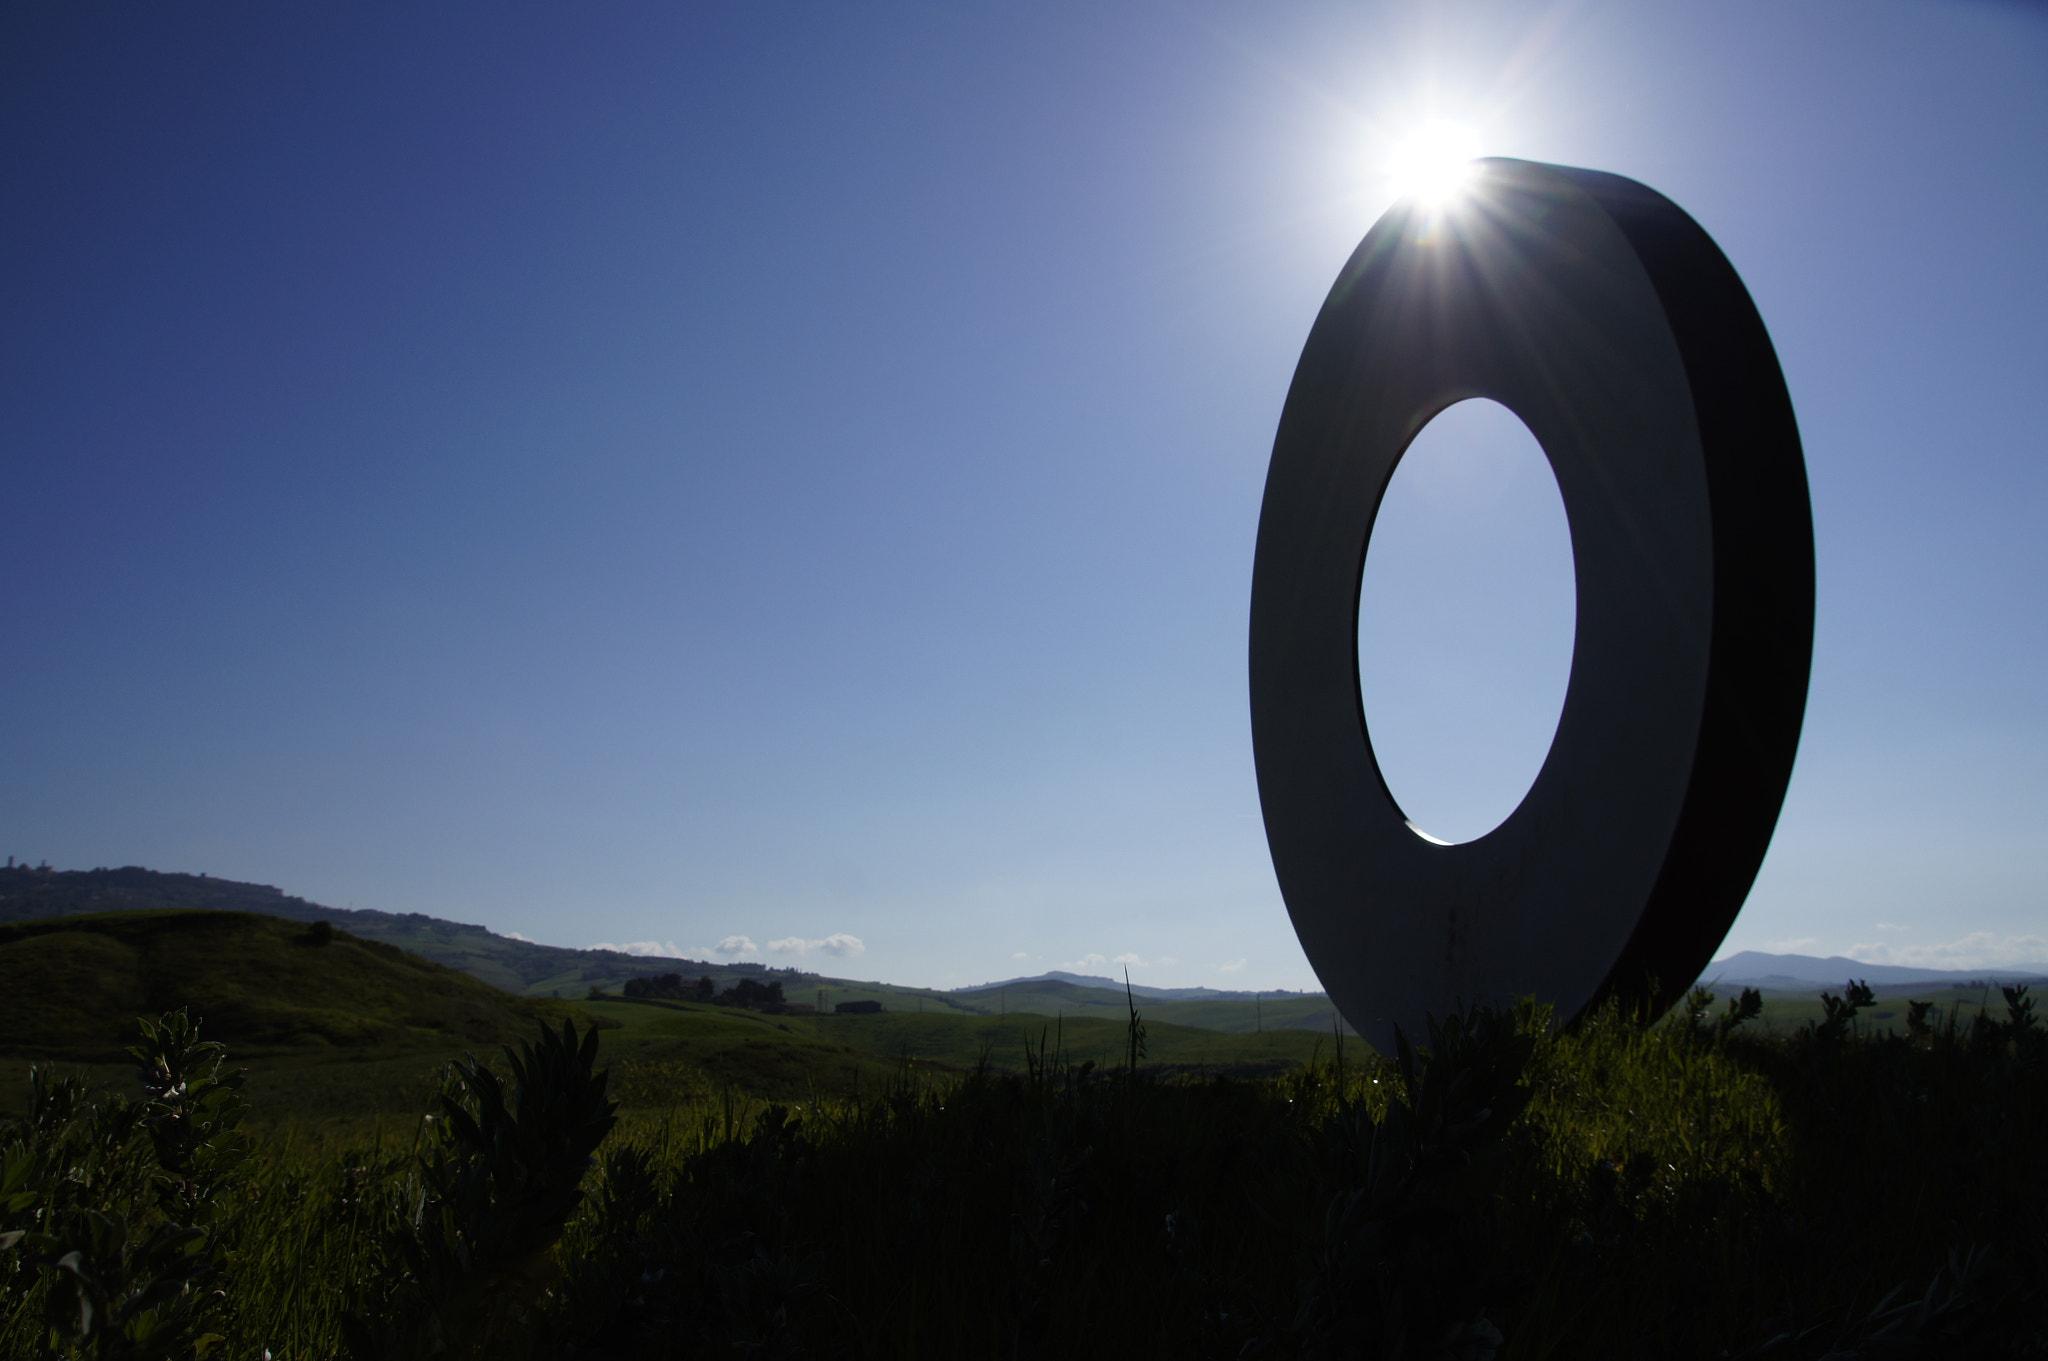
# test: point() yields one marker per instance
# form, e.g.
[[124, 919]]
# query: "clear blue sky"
[[789, 471]]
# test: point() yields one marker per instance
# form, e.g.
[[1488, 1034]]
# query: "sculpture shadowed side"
[[1607, 321], [1762, 651]]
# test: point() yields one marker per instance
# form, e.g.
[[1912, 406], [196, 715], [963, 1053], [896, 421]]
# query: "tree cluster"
[[671, 987], [746, 992]]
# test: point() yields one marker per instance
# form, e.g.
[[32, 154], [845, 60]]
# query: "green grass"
[[326, 1028], [355, 1028], [1791, 1010], [786, 1057]]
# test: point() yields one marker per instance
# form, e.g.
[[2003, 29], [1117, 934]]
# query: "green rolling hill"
[[326, 1024], [545, 970], [329, 1024], [71, 987], [515, 966], [35, 898], [1231, 1015]]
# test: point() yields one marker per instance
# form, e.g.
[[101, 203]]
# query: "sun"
[[1434, 161]]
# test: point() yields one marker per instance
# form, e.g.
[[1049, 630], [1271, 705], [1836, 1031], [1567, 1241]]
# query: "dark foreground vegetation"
[[1679, 1190]]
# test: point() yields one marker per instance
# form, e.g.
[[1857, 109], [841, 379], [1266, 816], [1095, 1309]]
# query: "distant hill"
[[1116, 985], [1753, 968], [523, 967], [514, 965], [517, 966], [1073, 995], [72, 986]]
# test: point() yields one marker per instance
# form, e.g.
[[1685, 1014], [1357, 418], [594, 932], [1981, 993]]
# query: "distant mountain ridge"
[[1137, 989], [516, 966], [29, 894], [1755, 968], [1752, 968]]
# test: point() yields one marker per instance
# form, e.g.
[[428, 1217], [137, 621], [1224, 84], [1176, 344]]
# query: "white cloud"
[[1978, 950], [735, 945], [1238, 967], [1020, 955], [1087, 961], [514, 935], [838, 944], [665, 948], [1167, 961], [1892, 926], [1130, 960]]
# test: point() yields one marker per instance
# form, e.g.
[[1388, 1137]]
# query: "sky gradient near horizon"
[[786, 475]]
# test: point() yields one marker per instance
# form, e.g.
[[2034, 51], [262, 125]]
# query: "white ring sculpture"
[[1604, 317]]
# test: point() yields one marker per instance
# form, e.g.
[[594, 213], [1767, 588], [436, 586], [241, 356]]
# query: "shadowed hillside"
[[515, 965], [519, 966], [71, 987]]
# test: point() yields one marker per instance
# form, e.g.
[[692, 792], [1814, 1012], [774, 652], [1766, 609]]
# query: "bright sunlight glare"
[[1432, 163]]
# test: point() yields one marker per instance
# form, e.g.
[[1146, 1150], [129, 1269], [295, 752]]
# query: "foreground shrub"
[[467, 1233], [1494, 1191], [117, 1215]]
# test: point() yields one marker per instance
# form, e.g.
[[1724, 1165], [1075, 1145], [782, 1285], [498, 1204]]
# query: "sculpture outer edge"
[[1760, 665], [1610, 322]]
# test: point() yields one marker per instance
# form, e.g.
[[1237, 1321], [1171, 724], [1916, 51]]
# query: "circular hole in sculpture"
[[1466, 615]]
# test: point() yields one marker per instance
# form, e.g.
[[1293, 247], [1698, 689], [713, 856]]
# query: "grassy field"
[[332, 1027], [1789, 1011], [666, 1056], [327, 1024], [705, 1047], [357, 1028], [71, 987]]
